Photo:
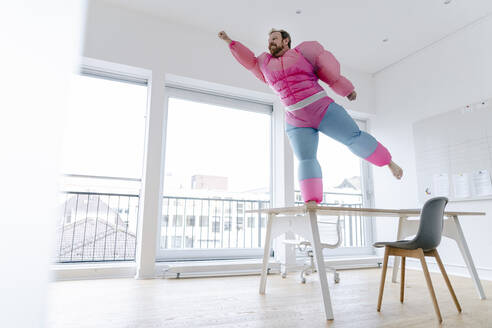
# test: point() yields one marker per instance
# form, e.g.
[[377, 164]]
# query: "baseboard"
[[451, 269], [253, 267], [62, 272], [212, 268]]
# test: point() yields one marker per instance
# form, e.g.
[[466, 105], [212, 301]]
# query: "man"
[[293, 74]]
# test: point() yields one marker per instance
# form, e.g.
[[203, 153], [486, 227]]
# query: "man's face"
[[275, 44]]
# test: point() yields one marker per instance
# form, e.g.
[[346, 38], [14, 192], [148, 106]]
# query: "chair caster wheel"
[[336, 278], [303, 280], [284, 275]]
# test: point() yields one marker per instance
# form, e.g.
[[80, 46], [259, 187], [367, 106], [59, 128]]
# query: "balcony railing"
[[211, 223], [101, 227], [196, 223], [97, 227]]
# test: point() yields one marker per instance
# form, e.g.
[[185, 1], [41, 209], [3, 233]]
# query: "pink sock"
[[312, 189]]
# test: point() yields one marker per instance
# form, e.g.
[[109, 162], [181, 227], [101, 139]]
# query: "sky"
[[105, 135]]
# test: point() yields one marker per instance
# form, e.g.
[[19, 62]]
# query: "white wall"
[[127, 37], [453, 72]]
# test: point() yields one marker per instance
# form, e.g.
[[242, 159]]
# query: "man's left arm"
[[327, 68]]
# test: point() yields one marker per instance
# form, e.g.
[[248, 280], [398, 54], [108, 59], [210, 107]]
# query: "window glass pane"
[[103, 147], [217, 164], [104, 129]]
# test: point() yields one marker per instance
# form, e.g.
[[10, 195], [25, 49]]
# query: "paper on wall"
[[482, 183], [440, 184], [461, 185]]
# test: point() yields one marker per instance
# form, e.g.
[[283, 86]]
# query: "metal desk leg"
[[266, 253], [453, 230], [396, 259], [320, 264]]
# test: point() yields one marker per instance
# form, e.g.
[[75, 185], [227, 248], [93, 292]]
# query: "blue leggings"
[[337, 124]]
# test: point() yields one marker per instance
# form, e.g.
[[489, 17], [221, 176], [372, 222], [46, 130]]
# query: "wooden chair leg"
[[402, 283], [446, 278], [429, 284], [383, 277]]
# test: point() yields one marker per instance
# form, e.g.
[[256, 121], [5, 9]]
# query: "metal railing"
[[197, 223], [189, 222], [101, 227], [97, 227]]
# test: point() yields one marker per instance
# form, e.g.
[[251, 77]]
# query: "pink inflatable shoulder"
[[326, 66]]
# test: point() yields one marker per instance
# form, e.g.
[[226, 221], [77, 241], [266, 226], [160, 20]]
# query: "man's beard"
[[274, 51]]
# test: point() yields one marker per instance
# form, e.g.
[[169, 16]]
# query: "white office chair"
[[330, 229]]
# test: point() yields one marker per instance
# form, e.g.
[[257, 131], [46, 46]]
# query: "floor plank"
[[235, 302]]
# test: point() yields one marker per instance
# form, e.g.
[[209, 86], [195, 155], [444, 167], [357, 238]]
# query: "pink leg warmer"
[[380, 156], [312, 189]]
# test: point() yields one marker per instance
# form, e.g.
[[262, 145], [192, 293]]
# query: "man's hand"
[[223, 35], [352, 96]]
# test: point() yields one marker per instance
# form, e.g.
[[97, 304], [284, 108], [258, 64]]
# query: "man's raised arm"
[[243, 55]]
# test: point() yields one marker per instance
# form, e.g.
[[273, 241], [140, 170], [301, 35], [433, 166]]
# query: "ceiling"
[[353, 30]]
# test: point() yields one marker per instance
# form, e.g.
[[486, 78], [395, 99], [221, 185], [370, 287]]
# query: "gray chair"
[[424, 244]]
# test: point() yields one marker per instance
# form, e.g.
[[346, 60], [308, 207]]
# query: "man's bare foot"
[[396, 170]]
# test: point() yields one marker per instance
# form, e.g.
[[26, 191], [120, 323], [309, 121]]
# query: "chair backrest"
[[431, 222], [330, 231]]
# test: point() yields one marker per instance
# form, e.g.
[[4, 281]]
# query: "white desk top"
[[334, 210]]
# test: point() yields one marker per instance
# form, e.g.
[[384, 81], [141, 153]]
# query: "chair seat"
[[402, 244]]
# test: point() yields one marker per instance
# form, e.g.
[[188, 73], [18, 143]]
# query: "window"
[[190, 221], [102, 162], [165, 220], [189, 242], [240, 221], [178, 221], [105, 128], [177, 241], [203, 221], [227, 224], [215, 226], [217, 158]]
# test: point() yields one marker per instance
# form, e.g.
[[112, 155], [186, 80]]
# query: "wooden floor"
[[235, 302]]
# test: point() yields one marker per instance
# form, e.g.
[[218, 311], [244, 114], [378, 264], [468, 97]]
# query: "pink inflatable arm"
[[326, 67], [246, 58]]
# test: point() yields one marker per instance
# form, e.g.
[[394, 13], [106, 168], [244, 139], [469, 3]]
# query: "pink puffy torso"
[[291, 76], [294, 77]]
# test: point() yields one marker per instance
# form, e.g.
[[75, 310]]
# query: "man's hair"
[[284, 34]]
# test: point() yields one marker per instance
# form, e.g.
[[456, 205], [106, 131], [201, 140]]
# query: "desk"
[[302, 220]]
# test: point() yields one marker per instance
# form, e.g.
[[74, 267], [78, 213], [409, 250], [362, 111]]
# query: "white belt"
[[307, 101]]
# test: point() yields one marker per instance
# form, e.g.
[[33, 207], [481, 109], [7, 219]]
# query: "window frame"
[[235, 102]]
